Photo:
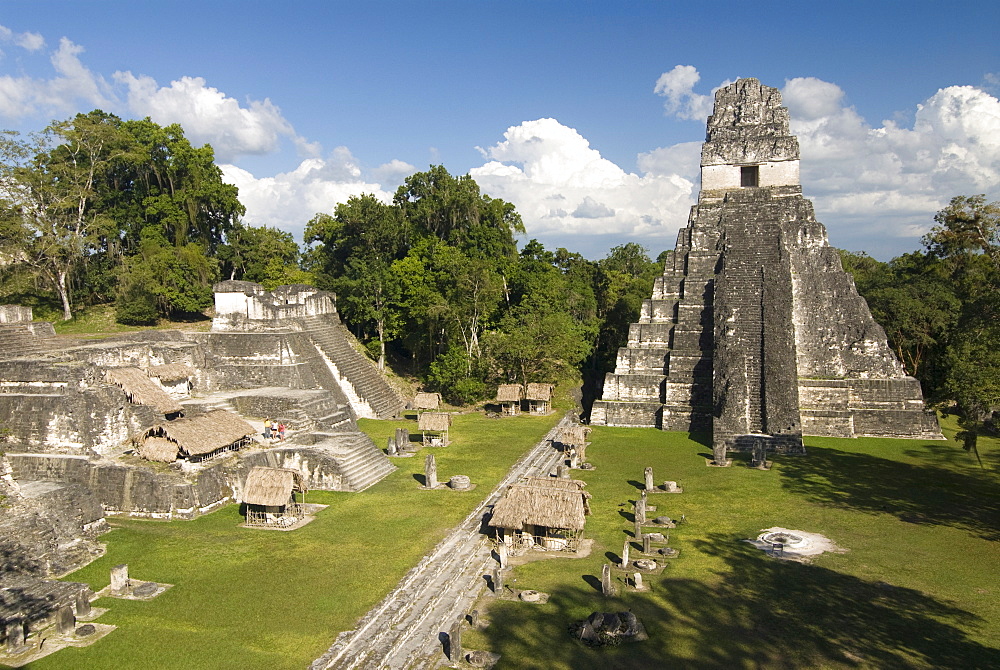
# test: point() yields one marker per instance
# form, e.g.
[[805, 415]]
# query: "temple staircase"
[[370, 394]]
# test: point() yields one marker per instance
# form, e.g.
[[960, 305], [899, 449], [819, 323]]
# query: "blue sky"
[[588, 116]]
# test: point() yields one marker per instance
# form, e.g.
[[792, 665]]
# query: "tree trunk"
[[380, 327], [64, 295]]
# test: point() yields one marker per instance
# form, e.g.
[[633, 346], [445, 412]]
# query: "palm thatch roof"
[[574, 435], [158, 449], [539, 501], [509, 393], [538, 392], [272, 487], [142, 390], [201, 434], [434, 421], [170, 372], [426, 400]]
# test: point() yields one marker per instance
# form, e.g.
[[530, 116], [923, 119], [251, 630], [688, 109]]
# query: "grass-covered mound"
[[248, 598], [917, 586]]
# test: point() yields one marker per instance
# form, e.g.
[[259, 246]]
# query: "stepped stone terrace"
[[81, 413]]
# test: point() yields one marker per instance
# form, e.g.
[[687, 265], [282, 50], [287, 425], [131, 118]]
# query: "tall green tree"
[[48, 185], [261, 254], [168, 184], [353, 252]]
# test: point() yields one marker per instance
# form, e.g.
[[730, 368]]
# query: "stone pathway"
[[404, 630]]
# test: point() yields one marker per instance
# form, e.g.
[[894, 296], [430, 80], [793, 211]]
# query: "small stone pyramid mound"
[[754, 331]]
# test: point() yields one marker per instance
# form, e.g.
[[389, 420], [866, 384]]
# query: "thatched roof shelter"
[[426, 401], [537, 391], [141, 390], [199, 436], [171, 372], [434, 421], [542, 501], [272, 487], [509, 393], [158, 449]]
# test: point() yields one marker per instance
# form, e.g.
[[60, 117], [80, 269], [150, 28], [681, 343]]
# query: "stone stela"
[[430, 472], [607, 588], [754, 331], [120, 583]]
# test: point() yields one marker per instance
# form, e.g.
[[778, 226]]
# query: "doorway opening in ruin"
[[750, 176]]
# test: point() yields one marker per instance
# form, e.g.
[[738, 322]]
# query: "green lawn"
[[919, 584], [265, 599]]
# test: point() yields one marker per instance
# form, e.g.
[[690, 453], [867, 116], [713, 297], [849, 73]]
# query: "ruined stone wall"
[[143, 490], [321, 471], [58, 413], [130, 490], [49, 529], [242, 360], [15, 314], [247, 306]]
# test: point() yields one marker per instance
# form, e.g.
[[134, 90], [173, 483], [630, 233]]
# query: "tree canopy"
[[104, 210]]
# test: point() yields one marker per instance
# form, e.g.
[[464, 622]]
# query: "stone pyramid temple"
[[755, 332]]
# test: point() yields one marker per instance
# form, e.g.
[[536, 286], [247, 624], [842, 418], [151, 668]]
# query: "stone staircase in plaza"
[[366, 388], [360, 462]]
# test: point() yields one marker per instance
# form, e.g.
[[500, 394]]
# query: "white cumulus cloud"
[[289, 200], [71, 85], [677, 86], [561, 185], [886, 179], [28, 41], [209, 115]]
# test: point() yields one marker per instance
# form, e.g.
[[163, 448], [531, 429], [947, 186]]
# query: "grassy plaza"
[[916, 586]]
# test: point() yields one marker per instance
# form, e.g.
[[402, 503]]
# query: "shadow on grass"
[[594, 582], [701, 437], [927, 495], [764, 613]]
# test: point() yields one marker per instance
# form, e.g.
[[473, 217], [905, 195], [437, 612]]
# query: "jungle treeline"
[[97, 210], [100, 211]]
